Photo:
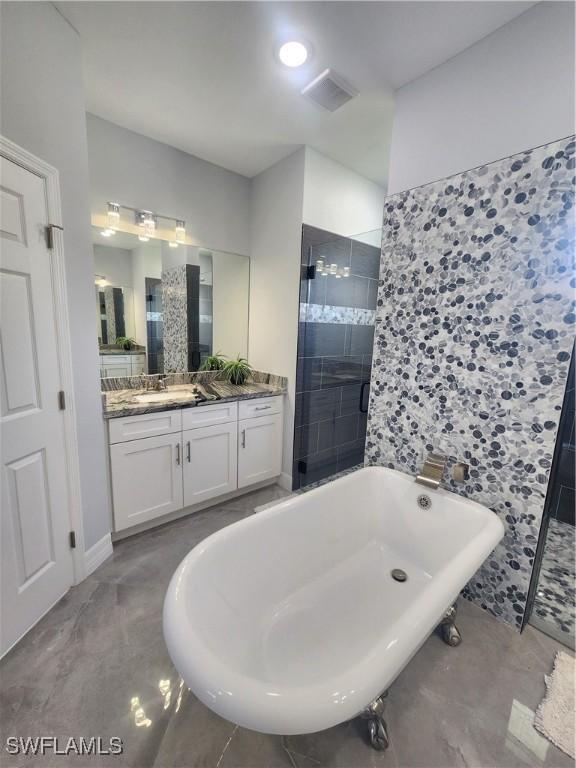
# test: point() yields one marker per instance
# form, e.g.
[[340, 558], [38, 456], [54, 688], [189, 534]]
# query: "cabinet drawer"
[[116, 359], [206, 415], [146, 425], [261, 406]]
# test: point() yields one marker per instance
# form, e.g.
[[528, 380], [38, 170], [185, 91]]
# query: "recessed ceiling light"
[[293, 53]]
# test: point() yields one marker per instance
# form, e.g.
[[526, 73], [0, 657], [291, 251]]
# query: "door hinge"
[[72, 539], [49, 230], [62, 400]]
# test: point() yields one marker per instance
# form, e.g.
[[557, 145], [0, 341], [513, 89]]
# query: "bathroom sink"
[[163, 397]]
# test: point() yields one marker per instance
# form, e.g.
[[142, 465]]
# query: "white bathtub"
[[289, 621]]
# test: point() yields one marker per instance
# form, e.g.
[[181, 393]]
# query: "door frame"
[[16, 154]]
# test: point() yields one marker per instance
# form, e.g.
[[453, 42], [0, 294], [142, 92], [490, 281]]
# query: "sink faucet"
[[432, 471], [155, 384]]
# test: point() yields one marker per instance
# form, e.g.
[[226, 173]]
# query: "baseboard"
[[96, 555], [285, 481]]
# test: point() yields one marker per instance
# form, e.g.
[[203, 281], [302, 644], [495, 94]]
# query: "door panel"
[[259, 449], [146, 479], [210, 465], [37, 567]]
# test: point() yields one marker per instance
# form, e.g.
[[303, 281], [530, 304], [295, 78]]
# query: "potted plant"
[[125, 342], [214, 362], [237, 371]]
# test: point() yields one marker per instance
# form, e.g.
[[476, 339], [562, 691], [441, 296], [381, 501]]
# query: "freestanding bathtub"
[[289, 621]]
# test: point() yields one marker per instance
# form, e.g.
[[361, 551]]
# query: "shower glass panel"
[[553, 582], [338, 294]]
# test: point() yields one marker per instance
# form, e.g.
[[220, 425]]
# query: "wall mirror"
[[161, 309]]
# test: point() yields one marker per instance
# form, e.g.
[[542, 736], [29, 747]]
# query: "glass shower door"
[[339, 285]]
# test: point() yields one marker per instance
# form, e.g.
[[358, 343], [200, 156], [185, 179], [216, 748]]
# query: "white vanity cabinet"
[[210, 462], [146, 479], [165, 461], [259, 444]]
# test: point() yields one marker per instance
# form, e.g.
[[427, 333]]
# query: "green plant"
[[126, 342], [214, 362], [237, 371]]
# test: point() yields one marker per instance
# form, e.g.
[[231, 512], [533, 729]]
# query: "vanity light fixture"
[[100, 281], [331, 270], [147, 224], [293, 53], [180, 231], [113, 216]]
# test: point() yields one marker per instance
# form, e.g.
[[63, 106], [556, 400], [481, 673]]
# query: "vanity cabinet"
[[210, 462], [259, 449], [146, 479], [164, 461]]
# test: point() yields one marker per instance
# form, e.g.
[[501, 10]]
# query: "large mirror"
[[161, 309]]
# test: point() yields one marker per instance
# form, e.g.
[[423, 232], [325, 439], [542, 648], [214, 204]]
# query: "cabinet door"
[[123, 369], [259, 449], [210, 462], [146, 479]]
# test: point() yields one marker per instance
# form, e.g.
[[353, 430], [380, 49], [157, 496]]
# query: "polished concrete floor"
[[96, 665]]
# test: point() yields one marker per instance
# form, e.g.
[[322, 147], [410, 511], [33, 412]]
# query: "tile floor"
[[96, 665]]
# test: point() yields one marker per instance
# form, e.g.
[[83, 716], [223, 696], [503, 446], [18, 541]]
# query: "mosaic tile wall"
[[474, 329], [181, 318]]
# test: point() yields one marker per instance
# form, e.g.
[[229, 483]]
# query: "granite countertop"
[[124, 402]]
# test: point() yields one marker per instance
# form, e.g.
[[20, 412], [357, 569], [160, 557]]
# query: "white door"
[[210, 462], [146, 479], [37, 565], [259, 449]]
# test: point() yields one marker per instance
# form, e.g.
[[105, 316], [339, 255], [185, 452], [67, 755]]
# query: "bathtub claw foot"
[[377, 728], [448, 629], [378, 733]]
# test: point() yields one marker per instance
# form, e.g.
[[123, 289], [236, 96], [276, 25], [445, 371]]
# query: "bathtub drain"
[[398, 574]]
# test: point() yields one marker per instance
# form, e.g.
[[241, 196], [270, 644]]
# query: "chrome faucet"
[[432, 471], [156, 384]]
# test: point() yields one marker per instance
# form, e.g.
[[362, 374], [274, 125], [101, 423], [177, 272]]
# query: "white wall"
[[128, 168], [277, 204], [511, 91], [115, 264], [230, 300], [43, 111], [338, 199]]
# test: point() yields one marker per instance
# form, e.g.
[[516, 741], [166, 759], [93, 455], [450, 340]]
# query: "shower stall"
[[338, 295]]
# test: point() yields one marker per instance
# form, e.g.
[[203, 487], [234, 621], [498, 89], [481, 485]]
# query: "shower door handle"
[[363, 390]]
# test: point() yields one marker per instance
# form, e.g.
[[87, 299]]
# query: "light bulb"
[[346, 272], [293, 54], [180, 231], [113, 216], [149, 225]]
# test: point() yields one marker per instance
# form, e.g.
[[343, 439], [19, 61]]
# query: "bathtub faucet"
[[432, 471]]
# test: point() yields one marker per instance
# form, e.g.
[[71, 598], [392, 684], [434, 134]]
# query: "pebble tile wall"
[[474, 329]]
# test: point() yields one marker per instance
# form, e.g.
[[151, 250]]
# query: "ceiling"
[[203, 76]]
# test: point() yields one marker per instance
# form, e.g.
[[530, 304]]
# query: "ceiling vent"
[[329, 90]]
